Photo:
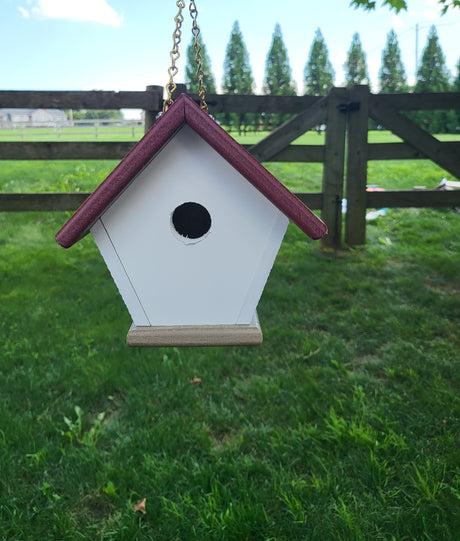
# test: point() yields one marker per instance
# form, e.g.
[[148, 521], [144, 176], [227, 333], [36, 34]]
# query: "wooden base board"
[[200, 335]]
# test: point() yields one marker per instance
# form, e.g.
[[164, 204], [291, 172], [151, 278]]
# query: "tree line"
[[318, 75]]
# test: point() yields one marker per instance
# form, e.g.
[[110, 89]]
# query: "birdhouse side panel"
[[196, 240], [260, 275], [118, 273]]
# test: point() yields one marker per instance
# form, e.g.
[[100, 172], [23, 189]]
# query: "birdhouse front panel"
[[190, 241]]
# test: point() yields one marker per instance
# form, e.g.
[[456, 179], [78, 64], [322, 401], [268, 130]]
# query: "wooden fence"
[[345, 153]]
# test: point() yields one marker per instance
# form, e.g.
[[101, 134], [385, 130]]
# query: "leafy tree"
[[97, 114], [238, 77], [392, 75], [355, 67], [278, 75], [399, 5], [456, 85], [318, 73], [456, 88], [433, 76], [191, 80]]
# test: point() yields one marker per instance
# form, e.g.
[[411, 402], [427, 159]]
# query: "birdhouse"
[[189, 224]]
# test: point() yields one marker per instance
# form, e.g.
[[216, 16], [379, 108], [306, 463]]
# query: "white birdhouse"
[[189, 224]]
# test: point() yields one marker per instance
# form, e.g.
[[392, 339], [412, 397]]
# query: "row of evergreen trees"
[[319, 75]]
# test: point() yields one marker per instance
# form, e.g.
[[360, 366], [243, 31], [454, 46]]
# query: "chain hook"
[[198, 59], [174, 54]]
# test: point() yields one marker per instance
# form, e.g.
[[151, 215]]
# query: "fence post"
[[333, 170], [181, 88], [358, 118], [151, 114]]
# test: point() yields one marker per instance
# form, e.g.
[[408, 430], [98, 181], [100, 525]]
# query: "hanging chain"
[[174, 54], [198, 60]]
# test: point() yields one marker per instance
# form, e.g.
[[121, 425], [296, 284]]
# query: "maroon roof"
[[186, 111]]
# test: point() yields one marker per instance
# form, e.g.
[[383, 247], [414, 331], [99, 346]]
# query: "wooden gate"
[[347, 152]]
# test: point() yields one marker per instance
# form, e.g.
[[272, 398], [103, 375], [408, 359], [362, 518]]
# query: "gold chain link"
[[174, 54], [198, 60]]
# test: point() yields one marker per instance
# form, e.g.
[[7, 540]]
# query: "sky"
[[125, 44]]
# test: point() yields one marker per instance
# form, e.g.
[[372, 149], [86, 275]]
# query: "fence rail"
[[345, 112], [108, 150], [151, 99]]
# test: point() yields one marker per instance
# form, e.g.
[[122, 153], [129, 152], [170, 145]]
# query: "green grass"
[[343, 425], [53, 176], [85, 133]]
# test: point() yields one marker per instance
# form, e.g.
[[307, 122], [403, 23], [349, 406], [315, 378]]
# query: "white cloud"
[[24, 12], [373, 65], [97, 11], [430, 14], [131, 84], [428, 10]]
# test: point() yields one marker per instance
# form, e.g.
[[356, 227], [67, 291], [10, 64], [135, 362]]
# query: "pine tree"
[[278, 75], [191, 80], [456, 88], [433, 76], [355, 67], [392, 75], [318, 73], [238, 77], [456, 85]]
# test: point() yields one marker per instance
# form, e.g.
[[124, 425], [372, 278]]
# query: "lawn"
[[343, 425], [76, 133]]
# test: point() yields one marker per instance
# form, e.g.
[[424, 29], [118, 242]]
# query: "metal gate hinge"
[[349, 107]]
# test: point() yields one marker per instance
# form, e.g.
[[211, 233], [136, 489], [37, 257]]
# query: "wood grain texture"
[[150, 114], [413, 198], [401, 151], [96, 99], [64, 150], [240, 103], [106, 150], [20, 202], [201, 335], [333, 171], [419, 101], [431, 147], [109, 150], [295, 153], [355, 219], [150, 100], [184, 110], [293, 128]]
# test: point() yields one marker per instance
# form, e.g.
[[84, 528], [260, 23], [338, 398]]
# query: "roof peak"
[[185, 111]]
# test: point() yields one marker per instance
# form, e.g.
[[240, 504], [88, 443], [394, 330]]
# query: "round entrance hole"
[[191, 220]]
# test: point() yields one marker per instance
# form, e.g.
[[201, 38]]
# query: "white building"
[[40, 118]]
